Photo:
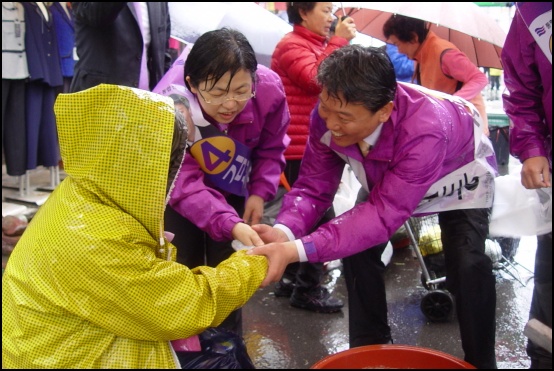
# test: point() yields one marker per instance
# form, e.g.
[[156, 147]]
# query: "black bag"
[[221, 349]]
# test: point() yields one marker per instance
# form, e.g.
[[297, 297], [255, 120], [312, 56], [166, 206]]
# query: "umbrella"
[[465, 25], [262, 28]]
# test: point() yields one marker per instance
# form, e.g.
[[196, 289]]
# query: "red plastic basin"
[[391, 356]]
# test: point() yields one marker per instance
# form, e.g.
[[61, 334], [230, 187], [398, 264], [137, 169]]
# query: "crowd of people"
[[140, 250]]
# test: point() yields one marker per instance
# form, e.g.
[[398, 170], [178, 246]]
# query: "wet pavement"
[[279, 336]]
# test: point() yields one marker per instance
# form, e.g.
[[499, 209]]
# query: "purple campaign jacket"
[[261, 126], [528, 77], [424, 139]]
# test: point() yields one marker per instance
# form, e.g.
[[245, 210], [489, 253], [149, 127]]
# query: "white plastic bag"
[[518, 211]]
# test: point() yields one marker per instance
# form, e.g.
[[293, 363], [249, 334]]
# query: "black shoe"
[[317, 299], [283, 289]]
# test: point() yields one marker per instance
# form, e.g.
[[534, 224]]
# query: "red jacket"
[[296, 59]]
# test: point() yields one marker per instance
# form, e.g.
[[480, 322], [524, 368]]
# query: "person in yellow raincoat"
[[92, 282]]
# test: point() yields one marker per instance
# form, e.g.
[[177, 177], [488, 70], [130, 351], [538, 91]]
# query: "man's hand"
[[269, 234], [535, 173], [279, 255]]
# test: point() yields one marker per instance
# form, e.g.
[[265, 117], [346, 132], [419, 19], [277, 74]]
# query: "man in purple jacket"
[[415, 151], [527, 62]]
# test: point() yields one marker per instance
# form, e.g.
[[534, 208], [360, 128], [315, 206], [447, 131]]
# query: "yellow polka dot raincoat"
[[90, 284]]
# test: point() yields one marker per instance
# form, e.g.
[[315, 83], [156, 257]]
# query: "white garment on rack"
[[14, 57]]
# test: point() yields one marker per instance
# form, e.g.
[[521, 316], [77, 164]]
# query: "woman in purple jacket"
[[241, 117], [415, 151]]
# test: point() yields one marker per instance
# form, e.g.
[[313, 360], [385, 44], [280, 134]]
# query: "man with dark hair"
[[407, 146]]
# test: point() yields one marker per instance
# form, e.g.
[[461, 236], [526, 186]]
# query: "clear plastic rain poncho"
[[90, 284]]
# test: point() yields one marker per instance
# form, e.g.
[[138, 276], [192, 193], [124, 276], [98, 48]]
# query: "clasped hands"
[[270, 242]]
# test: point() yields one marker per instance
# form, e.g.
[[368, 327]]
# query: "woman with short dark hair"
[[241, 117]]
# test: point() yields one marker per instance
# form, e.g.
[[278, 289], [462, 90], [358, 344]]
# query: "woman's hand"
[[345, 28], [253, 210], [246, 235], [269, 234]]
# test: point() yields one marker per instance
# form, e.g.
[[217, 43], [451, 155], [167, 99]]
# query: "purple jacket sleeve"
[[528, 78], [403, 168], [202, 205]]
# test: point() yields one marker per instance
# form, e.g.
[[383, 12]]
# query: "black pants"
[[367, 299], [500, 139], [196, 248], [541, 302], [469, 277], [307, 276], [494, 82], [42, 136]]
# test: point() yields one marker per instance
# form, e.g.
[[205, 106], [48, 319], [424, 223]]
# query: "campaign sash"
[[225, 161], [538, 18], [468, 187]]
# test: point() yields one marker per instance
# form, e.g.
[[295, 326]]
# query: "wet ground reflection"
[[279, 336]]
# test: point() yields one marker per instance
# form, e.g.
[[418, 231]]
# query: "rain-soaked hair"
[[362, 75], [178, 146], [404, 27], [217, 52], [293, 11]]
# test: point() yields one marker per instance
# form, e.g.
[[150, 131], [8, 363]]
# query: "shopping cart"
[[425, 236]]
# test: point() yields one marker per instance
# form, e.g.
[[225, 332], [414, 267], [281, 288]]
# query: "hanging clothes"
[[14, 75], [65, 33], [45, 73]]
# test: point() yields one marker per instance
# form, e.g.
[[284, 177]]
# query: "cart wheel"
[[437, 305]]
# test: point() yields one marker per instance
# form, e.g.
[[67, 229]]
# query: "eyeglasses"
[[224, 98]]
